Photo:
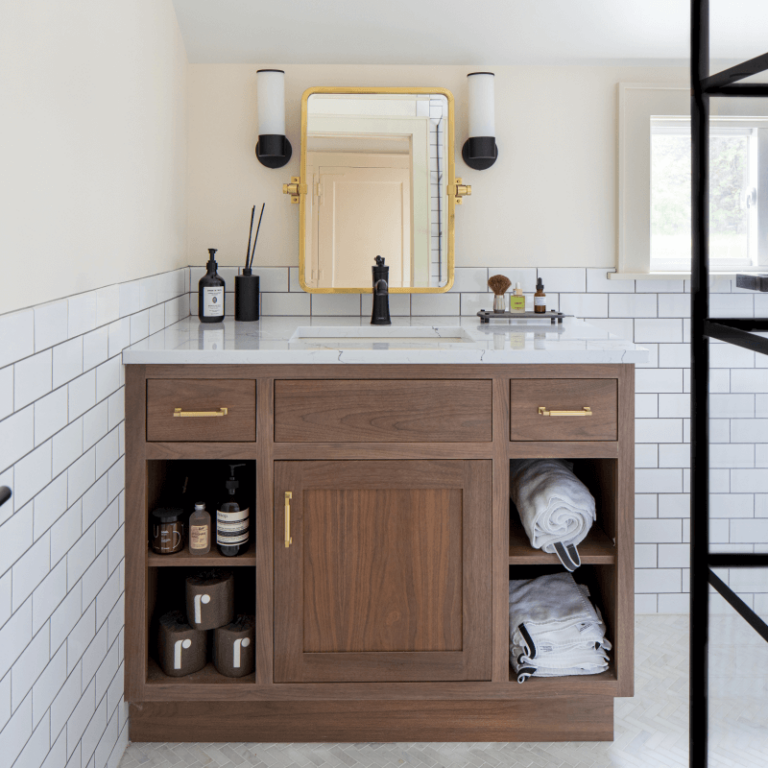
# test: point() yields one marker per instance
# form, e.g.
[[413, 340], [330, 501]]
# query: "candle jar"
[[166, 534]]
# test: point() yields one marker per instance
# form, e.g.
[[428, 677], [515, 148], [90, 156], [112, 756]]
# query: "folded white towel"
[[556, 508], [554, 628]]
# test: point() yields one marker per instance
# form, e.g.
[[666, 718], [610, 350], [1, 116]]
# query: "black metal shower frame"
[[703, 328]]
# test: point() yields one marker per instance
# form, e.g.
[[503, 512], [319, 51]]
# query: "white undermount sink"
[[339, 336]]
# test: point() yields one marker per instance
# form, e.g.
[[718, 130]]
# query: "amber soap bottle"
[[539, 298]]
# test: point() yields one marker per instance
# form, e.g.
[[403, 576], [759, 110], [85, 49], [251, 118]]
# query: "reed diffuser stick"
[[250, 233], [256, 239]]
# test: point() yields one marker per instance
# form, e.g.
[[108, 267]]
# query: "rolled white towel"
[[556, 508]]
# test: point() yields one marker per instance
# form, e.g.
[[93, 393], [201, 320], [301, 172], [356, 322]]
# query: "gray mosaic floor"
[[651, 728]]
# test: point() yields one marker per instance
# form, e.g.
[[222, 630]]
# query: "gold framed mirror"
[[377, 179]]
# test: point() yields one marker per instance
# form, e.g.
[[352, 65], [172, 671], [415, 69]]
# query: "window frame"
[[638, 103]]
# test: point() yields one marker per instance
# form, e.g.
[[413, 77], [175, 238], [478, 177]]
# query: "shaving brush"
[[499, 284]]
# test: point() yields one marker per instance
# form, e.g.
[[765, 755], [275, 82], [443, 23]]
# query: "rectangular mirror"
[[376, 165]]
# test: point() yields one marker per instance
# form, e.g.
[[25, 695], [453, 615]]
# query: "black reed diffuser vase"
[[247, 284], [247, 296], [211, 293]]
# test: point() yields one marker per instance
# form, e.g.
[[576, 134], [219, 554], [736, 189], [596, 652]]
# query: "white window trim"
[[638, 102]]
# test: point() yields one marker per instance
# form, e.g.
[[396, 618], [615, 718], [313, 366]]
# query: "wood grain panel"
[[622, 585], [500, 561], [604, 684], [557, 718], [563, 395], [137, 597], [238, 396], [264, 522], [382, 570], [383, 411], [552, 449], [408, 606]]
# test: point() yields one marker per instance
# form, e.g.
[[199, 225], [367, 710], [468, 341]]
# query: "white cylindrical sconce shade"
[[271, 93], [480, 150], [274, 149], [482, 113]]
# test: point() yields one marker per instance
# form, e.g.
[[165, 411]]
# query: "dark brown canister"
[[234, 647], [210, 599], [166, 534], [181, 650]]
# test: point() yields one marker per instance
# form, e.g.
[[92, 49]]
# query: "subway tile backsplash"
[[61, 534], [62, 444]]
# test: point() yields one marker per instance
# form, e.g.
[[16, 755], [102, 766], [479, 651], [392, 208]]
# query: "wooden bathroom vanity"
[[381, 604]]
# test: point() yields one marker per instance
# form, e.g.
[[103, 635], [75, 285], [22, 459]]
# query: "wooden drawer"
[[164, 396], [529, 395], [392, 411]]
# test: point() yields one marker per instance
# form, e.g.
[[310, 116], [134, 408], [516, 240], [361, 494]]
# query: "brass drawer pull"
[[586, 411], [288, 539], [199, 414]]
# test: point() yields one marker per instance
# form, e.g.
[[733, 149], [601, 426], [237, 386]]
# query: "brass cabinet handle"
[[288, 539], [586, 411], [199, 414]]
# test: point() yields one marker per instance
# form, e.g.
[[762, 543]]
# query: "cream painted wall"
[[550, 200], [92, 145]]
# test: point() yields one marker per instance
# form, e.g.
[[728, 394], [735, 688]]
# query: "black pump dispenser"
[[232, 485], [232, 521], [211, 293]]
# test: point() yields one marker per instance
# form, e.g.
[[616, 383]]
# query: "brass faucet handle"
[[295, 189], [460, 191]]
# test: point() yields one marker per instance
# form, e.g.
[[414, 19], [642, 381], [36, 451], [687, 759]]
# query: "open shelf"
[[206, 676], [212, 559], [596, 549]]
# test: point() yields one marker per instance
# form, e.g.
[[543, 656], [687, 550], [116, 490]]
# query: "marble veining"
[[408, 341]]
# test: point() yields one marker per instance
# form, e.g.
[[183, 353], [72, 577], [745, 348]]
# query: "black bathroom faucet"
[[380, 313]]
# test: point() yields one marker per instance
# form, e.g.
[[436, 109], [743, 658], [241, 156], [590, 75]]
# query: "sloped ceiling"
[[453, 32]]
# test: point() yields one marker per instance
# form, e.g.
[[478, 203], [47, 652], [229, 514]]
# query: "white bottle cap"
[[517, 285]]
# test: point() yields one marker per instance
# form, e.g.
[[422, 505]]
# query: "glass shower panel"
[[738, 674]]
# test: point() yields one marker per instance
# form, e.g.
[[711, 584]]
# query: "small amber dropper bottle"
[[539, 298]]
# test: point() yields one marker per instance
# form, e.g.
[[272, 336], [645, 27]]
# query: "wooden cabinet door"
[[388, 576]]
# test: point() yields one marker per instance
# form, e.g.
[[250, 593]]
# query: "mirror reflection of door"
[[363, 206], [375, 163]]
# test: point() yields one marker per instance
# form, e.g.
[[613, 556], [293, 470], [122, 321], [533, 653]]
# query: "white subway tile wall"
[[61, 534], [62, 444]]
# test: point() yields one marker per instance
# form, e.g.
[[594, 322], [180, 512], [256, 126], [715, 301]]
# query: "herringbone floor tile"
[[651, 729]]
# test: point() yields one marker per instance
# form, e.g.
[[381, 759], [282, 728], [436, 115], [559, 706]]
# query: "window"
[[655, 182], [733, 220]]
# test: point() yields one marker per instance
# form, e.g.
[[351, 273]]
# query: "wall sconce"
[[273, 148], [480, 150]]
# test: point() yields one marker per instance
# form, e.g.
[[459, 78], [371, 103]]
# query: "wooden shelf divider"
[[596, 549], [184, 559]]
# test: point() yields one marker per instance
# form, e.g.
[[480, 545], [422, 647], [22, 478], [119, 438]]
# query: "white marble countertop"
[[409, 340]]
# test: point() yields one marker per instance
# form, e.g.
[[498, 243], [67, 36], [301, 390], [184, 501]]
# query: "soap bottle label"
[[213, 301], [232, 527], [516, 303], [198, 536]]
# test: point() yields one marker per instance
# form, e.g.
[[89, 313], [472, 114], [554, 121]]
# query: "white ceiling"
[[461, 32]]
